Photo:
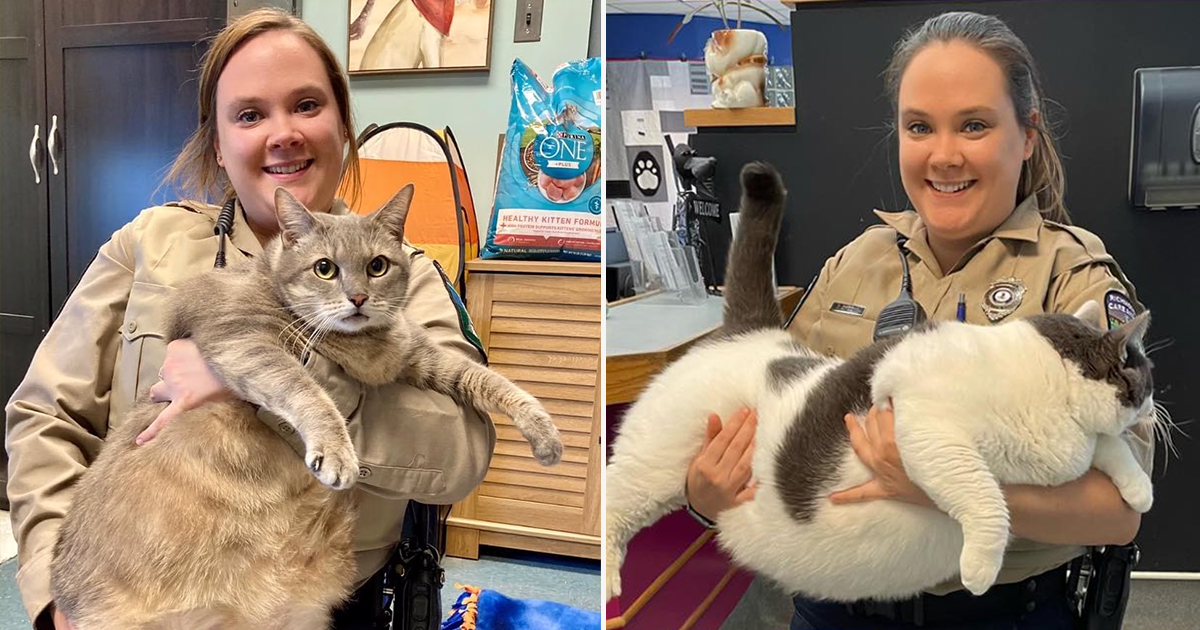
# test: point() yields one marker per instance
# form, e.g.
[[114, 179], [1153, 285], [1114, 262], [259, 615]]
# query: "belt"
[[1015, 599]]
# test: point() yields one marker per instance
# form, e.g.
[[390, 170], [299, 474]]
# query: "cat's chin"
[[356, 323]]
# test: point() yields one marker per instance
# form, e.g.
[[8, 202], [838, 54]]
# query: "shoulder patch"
[[1117, 308], [464, 319]]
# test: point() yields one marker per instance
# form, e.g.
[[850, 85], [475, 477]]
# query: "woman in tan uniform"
[[274, 111], [990, 240]]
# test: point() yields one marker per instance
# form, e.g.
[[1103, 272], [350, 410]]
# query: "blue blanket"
[[478, 609]]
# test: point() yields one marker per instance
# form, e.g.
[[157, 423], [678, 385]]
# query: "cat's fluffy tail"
[[750, 302]]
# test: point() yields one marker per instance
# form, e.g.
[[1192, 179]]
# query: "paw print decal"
[[647, 174]]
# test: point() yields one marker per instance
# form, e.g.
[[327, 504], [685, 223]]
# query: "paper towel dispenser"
[[1164, 166]]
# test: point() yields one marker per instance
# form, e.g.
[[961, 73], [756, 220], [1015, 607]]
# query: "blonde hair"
[[195, 170], [1042, 174]]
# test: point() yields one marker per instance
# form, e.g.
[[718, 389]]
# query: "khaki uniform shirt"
[[108, 344], [1061, 268]]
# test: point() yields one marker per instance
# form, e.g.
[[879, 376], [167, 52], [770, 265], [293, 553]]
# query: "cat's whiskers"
[[1162, 430], [292, 333], [327, 315], [392, 313], [298, 330], [1159, 345], [294, 329]]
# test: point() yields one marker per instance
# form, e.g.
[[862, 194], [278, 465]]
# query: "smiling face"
[[961, 146], [278, 124]]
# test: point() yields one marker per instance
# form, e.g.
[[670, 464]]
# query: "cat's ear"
[[393, 213], [1091, 313], [1130, 334], [295, 221]]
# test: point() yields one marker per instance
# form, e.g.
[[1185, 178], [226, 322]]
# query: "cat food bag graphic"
[[548, 189]]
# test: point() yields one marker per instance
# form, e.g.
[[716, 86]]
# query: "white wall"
[[473, 104]]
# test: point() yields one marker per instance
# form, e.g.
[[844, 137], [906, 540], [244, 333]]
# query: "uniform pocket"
[[841, 335], [412, 482], [143, 342]]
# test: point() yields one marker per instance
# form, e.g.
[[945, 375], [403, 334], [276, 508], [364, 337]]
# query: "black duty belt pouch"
[[418, 571], [1108, 586]]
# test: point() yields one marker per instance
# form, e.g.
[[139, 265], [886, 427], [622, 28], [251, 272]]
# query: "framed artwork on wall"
[[401, 36]]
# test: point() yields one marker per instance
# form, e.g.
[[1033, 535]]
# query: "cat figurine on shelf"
[[1032, 401], [217, 523]]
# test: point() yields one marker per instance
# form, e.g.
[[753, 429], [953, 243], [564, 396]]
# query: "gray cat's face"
[[348, 272], [1116, 357]]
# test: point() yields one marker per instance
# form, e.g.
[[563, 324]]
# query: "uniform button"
[[1030, 607], [286, 428], [1031, 586], [363, 472], [131, 327]]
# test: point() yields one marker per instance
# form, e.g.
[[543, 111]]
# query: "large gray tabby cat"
[[216, 523]]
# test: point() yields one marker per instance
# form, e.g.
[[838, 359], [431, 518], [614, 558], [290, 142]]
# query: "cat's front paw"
[[333, 462], [612, 566], [979, 568], [543, 436], [1137, 491]]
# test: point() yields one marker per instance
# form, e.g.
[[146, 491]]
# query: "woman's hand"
[[185, 382], [875, 445], [719, 477]]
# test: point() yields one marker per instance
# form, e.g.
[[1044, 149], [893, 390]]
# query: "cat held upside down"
[[1032, 401], [217, 522]]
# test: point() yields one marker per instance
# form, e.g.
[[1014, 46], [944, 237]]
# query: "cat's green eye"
[[325, 269], [378, 266]]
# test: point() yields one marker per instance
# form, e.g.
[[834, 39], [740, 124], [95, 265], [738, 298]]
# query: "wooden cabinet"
[[540, 324]]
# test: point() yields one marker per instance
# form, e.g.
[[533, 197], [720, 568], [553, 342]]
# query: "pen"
[[961, 313]]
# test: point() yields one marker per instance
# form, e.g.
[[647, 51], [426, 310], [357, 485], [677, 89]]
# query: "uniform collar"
[[242, 237], [1022, 225]]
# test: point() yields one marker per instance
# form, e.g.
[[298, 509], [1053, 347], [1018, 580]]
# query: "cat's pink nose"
[[358, 300]]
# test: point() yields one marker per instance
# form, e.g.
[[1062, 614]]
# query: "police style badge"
[[1002, 298]]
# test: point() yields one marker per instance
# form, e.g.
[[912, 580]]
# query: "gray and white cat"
[[217, 522], [1034, 401]]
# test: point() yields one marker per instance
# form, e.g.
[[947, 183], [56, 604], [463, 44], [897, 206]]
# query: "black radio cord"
[[223, 228]]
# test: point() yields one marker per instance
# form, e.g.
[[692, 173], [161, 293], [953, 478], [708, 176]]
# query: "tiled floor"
[[1153, 605], [516, 574]]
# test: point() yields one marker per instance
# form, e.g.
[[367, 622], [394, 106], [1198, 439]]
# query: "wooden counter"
[[631, 363]]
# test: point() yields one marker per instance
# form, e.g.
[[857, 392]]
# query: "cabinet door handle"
[[52, 143], [34, 145]]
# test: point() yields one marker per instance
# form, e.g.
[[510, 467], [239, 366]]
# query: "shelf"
[[748, 117], [533, 266]]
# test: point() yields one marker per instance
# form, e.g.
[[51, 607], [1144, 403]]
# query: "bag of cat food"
[[548, 190]]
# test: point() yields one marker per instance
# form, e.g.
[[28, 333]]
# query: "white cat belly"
[[876, 549]]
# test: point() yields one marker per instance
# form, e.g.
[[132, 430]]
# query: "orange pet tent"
[[441, 220]]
